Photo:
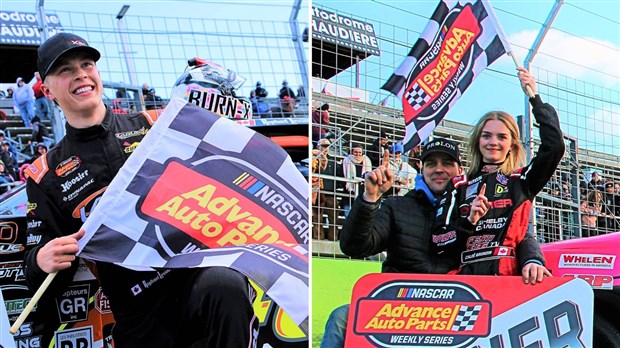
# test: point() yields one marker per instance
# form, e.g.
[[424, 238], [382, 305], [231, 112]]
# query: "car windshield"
[[14, 201]]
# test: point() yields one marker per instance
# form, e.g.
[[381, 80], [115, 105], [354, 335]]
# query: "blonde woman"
[[485, 218], [591, 210]]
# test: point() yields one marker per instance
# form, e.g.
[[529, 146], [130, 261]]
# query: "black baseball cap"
[[447, 146], [58, 45]]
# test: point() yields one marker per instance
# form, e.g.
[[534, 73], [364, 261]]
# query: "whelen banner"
[[412, 310], [344, 31], [22, 28]]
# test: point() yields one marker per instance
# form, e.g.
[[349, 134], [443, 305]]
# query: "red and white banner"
[[461, 39], [413, 310]]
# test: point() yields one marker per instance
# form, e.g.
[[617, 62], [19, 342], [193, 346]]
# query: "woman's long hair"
[[516, 155]]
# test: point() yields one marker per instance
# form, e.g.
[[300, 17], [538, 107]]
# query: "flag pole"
[[528, 89], [37, 295]]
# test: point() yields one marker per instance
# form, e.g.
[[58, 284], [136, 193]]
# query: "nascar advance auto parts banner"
[[400, 310], [203, 191]]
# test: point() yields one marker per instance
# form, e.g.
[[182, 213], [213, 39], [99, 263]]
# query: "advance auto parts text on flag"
[[203, 191], [458, 43]]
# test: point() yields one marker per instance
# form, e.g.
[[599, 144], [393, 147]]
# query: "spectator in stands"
[[11, 147], [5, 178], [40, 150], [261, 104], [24, 100], [117, 107], [41, 103], [414, 158], [377, 149], [9, 93], [583, 191], [607, 221], [404, 174], [617, 189], [591, 209], [260, 91], [551, 218], [40, 134], [354, 166], [287, 98], [9, 159], [317, 183], [152, 101], [301, 92], [327, 202], [596, 183], [320, 119], [22, 175], [254, 102], [145, 89], [400, 225]]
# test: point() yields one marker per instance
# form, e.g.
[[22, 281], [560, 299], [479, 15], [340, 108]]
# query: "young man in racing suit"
[[209, 307]]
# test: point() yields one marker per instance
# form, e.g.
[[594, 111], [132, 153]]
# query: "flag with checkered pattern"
[[466, 318], [461, 39], [203, 191]]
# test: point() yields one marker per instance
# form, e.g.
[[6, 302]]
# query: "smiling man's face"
[[74, 83]]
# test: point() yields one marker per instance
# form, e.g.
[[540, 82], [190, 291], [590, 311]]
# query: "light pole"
[[42, 20], [131, 71]]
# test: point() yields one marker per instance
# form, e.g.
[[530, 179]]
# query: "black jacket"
[[64, 186], [402, 227]]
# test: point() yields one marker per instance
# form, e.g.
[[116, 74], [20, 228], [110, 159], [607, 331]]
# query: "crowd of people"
[[287, 99], [341, 176]]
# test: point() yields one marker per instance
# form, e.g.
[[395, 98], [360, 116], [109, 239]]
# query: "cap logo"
[[77, 43]]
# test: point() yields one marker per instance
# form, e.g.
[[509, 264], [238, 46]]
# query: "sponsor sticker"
[[472, 190], [423, 313], [501, 178], [596, 261], [75, 338], [73, 304], [68, 166], [596, 281], [130, 134]]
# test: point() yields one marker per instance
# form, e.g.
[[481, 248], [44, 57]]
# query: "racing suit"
[[499, 243], [150, 308]]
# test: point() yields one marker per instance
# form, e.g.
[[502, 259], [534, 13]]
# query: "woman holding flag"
[[484, 216]]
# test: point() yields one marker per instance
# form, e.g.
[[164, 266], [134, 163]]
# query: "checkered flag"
[[194, 194], [416, 96], [424, 79], [466, 318]]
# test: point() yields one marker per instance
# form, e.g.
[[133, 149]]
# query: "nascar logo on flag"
[[459, 42], [203, 191]]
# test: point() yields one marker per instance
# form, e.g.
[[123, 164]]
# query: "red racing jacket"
[[499, 244]]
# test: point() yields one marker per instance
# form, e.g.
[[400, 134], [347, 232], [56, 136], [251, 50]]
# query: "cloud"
[[584, 58]]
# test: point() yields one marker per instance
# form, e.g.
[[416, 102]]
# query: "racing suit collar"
[[420, 185], [90, 133]]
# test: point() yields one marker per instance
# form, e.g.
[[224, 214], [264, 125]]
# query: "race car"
[[593, 260]]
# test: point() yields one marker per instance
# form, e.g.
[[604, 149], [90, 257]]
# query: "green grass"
[[332, 282]]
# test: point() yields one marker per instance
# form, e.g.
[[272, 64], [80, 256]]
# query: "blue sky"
[[277, 10], [584, 44], [157, 67]]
